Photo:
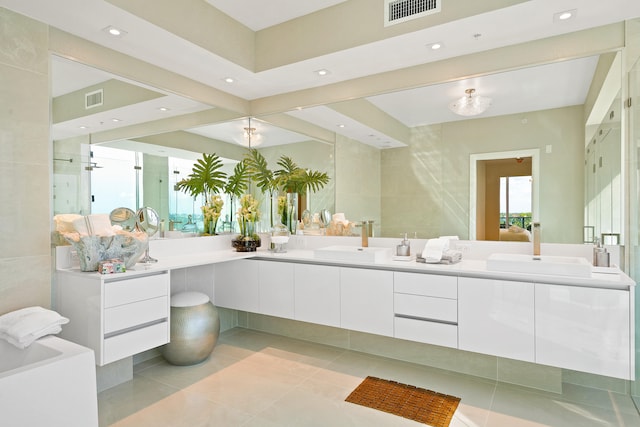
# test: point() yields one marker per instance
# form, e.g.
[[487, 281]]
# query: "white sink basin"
[[544, 264], [353, 253]]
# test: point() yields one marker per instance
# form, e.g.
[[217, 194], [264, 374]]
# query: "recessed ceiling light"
[[115, 32], [229, 79], [164, 109], [341, 125], [83, 127], [435, 46], [565, 15], [322, 72], [115, 120]]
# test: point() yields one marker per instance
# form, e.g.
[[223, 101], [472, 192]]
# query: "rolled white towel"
[[22, 327]]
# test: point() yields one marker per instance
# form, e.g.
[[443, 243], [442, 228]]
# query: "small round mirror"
[[325, 216], [147, 221], [124, 217]]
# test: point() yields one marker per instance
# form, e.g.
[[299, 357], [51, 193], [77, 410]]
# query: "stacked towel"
[[451, 256], [22, 327], [434, 249]]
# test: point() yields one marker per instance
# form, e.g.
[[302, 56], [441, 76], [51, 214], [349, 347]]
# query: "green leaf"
[[259, 172], [206, 177], [238, 183]]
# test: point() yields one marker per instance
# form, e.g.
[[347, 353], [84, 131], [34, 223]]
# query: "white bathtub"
[[50, 383]]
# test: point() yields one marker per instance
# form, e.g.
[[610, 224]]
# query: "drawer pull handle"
[[425, 319], [135, 328]]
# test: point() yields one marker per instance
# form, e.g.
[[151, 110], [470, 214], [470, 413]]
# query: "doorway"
[[486, 169]]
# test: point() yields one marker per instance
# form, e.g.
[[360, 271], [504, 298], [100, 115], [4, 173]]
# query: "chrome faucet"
[[536, 239], [365, 234]]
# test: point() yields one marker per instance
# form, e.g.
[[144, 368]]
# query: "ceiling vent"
[[93, 99], [396, 11]]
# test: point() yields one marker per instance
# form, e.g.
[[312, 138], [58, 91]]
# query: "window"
[[515, 201]]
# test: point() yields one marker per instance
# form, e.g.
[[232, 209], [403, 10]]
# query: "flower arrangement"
[[287, 212], [248, 214], [211, 212]]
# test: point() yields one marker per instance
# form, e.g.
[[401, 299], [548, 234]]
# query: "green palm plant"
[[206, 178], [290, 178], [238, 182], [293, 179]]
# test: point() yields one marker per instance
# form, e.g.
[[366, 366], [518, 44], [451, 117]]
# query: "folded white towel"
[[434, 249], [22, 327]]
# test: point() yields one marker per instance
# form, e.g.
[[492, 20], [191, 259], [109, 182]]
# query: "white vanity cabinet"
[[425, 308], [584, 329], [276, 288], [496, 317], [115, 315], [366, 300], [317, 294], [237, 285]]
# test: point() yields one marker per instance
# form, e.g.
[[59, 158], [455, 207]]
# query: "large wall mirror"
[[415, 179]]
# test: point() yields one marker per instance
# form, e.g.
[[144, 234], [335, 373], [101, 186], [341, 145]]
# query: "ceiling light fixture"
[[470, 105], [322, 72], [435, 46], [250, 137], [565, 15], [229, 80], [115, 32], [164, 109]]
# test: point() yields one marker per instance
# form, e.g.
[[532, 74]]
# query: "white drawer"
[[137, 313], [427, 332], [137, 341], [426, 307], [426, 284], [134, 289]]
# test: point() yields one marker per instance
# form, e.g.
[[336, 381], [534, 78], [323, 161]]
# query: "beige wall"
[[25, 254], [358, 172], [427, 183]]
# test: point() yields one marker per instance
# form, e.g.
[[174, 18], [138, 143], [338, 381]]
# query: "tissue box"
[[110, 266]]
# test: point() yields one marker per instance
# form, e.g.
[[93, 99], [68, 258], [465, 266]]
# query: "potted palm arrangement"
[[207, 180], [286, 183]]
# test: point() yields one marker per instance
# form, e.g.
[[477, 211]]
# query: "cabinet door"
[[496, 317], [366, 300], [584, 329], [276, 289], [236, 285], [317, 294]]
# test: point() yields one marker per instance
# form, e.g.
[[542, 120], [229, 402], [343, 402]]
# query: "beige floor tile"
[[184, 409], [521, 407], [255, 379]]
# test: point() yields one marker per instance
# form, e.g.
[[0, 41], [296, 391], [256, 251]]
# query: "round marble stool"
[[195, 327]]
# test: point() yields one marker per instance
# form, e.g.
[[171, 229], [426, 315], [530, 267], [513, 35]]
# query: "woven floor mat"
[[414, 403]]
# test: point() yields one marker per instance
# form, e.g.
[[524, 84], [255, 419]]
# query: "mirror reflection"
[[416, 182]]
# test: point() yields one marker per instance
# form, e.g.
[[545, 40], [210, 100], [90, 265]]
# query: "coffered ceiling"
[[272, 50]]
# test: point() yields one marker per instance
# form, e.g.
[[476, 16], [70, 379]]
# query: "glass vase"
[[290, 214], [248, 240]]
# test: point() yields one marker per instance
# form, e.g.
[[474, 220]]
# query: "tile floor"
[[259, 379]]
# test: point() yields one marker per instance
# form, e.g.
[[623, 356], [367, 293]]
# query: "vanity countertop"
[[611, 279], [601, 278]]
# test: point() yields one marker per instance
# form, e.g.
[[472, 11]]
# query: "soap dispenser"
[[404, 248], [600, 255]]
